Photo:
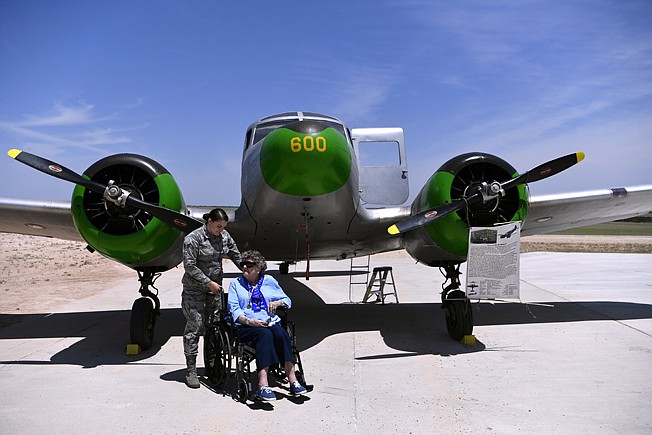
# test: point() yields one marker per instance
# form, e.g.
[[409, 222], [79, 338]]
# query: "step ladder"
[[362, 265], [380, 274]]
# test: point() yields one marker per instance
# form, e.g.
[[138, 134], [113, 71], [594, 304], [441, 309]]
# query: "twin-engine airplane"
[[306, 194]]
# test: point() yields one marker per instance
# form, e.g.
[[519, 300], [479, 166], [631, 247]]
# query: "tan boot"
[[191, 377]]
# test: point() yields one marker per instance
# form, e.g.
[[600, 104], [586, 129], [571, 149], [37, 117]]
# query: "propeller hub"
[[116, 194], [495, 188], [116, 200]]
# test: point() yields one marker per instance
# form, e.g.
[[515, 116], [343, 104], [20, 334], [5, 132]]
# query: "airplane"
[[508, 234], [306, 194]]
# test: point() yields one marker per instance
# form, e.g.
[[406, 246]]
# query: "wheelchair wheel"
[[217, 356], [244, 390], [300, 377]]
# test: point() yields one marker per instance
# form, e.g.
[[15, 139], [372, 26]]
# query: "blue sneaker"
[[266, 394], [296, 389]]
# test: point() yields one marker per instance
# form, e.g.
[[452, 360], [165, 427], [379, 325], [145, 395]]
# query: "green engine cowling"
[[126, 234], [305, 158], [454, 180]]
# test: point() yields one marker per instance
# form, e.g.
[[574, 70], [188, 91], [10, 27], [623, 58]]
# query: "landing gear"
[[459, 316], [284, 268], [145, 311]]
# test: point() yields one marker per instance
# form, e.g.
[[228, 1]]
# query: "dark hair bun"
[[217, 214]]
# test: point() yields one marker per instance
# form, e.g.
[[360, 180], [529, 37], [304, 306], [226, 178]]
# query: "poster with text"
[[493, 262]]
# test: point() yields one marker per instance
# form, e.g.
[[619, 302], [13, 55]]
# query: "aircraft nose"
[[305, 158]]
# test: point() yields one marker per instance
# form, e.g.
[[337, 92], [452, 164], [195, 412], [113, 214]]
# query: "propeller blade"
[[175, 219], [545, 170], [56, 170], [427, 216]]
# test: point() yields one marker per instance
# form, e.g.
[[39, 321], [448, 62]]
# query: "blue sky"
[[180, 81]]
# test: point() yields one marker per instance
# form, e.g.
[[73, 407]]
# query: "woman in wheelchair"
[[253, 300]]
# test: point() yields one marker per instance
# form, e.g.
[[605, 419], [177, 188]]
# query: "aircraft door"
[[380, 153]]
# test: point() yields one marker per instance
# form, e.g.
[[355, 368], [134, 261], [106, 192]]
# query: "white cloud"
[[68, 127], [361, 94], [63, 116]]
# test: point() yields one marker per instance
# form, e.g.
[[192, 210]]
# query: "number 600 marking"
[[308, 143]]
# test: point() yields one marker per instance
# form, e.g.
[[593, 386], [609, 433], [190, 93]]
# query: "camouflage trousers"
[[198, 309]]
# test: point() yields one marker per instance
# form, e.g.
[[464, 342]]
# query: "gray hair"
[[256, 257]]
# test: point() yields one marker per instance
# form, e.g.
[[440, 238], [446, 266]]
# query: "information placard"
[[493, 262]]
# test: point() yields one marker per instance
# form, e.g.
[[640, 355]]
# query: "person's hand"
[[215, 288], [272, 306], [257, 323]]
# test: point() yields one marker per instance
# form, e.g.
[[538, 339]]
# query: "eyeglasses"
[[248, 264]]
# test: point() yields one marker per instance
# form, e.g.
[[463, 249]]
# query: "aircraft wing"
[[549, 213], [53, 218], [38, 218]]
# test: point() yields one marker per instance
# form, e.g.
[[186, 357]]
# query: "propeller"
[[487, 191], [112, 192]]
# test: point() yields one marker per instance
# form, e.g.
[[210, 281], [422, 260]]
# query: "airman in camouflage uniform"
[[203, 250]]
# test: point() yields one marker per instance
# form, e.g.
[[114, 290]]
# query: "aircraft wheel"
[[143, 319], [217, 356], [459, 316], [284, 268]]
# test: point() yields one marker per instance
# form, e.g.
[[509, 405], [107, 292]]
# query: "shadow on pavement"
[[408, 328]]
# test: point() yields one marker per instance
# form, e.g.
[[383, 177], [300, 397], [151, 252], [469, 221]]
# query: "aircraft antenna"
[[307, 218]]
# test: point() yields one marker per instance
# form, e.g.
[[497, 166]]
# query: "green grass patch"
[[612, 229]]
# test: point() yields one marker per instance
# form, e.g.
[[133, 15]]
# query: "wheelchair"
[[226, 356]]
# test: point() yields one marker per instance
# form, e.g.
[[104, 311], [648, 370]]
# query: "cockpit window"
[[264, 128]]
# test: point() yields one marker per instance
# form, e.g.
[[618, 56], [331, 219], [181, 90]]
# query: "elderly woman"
[[253, 300]]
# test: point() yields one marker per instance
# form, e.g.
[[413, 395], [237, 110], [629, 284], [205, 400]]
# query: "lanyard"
[[256, 300]]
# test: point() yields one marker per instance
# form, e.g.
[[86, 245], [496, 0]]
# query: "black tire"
[[243, 390], [217, 356], [459, 316], [143, 320], [300, 377], [284, 268]]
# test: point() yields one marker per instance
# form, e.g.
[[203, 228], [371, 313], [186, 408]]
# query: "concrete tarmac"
[[582, 366]]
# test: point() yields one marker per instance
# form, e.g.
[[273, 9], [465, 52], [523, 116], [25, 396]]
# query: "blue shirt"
[[240, 298]]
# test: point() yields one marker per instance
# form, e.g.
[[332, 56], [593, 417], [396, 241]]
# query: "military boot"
[[191, 377]]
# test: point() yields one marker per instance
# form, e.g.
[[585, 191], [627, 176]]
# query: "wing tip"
[[13, 153], [580, 156], [393, 230]]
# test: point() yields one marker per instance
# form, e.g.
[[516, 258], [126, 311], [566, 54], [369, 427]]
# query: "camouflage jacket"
[[202, 258]]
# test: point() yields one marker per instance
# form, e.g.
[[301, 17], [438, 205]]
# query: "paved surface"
[[580, 367]]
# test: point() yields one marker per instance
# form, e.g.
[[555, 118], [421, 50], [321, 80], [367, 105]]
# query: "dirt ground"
[[30, 265], [565, 243]]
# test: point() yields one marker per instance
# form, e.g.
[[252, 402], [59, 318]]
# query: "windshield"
[[264, 128]]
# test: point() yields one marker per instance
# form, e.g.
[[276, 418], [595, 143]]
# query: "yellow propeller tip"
[[13, 153], [580, 156], [393, 230]]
